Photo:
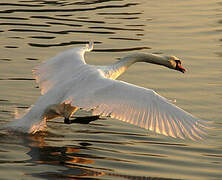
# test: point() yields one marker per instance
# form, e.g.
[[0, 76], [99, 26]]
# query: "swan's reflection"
[[66, 156], [74, 163], [49, 157]]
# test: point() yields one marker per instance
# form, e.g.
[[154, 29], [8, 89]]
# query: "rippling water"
[[34, 30]]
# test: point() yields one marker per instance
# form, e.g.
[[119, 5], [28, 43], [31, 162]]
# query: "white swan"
[[67, 83]]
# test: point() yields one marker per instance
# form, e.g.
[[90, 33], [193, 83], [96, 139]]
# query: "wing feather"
[[138, 106], [54, 70]]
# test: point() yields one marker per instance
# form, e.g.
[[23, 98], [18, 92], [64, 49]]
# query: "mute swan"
[[67, 83]]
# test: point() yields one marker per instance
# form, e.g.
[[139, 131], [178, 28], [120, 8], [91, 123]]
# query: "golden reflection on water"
[[62, 156], [65, 156], [33, 31]]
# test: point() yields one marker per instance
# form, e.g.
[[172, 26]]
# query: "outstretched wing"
[[138, 106], [60, 67]]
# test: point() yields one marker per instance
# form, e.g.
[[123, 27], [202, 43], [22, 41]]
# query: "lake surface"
[[32, 31]]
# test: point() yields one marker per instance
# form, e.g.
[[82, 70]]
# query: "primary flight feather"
[[67, 83]]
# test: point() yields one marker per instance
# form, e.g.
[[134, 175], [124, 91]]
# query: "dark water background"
[[35, 30]]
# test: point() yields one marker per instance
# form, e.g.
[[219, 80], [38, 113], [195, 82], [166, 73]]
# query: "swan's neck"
[[118, 68]]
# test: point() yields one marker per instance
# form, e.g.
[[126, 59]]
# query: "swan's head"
[[171, 62], [175, 63]]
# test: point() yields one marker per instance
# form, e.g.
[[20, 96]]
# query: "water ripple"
[[64, 24], [116, 28], [24, 24], [65, 19], [119, 13], [43, 37], [62, 32], [14, 18], [61, 44], [5, 59], [121, 49], [92, 2], [67, 10], [127, 39], [17, 79], [20, 4]]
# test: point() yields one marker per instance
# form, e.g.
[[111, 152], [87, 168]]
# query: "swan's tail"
[[25, 125]]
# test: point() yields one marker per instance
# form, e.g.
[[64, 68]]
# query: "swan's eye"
[[178, 61], [179, 67]]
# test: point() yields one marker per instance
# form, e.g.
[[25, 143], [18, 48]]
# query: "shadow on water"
[[84, 120]]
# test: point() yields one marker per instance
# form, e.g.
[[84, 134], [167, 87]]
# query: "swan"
[[67, 84]]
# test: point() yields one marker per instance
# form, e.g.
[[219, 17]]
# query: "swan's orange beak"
[[180, 68]]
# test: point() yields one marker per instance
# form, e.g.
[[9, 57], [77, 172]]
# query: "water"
[[33, 31]]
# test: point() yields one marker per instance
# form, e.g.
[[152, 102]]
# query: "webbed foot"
[[67, 121], [85, 119]]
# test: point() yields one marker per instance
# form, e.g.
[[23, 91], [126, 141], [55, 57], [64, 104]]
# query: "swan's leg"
[[58, 110], [68, 112], [52, 112], [67, 120]]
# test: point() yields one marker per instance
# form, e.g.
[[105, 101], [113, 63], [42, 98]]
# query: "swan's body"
[[67, 83]]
